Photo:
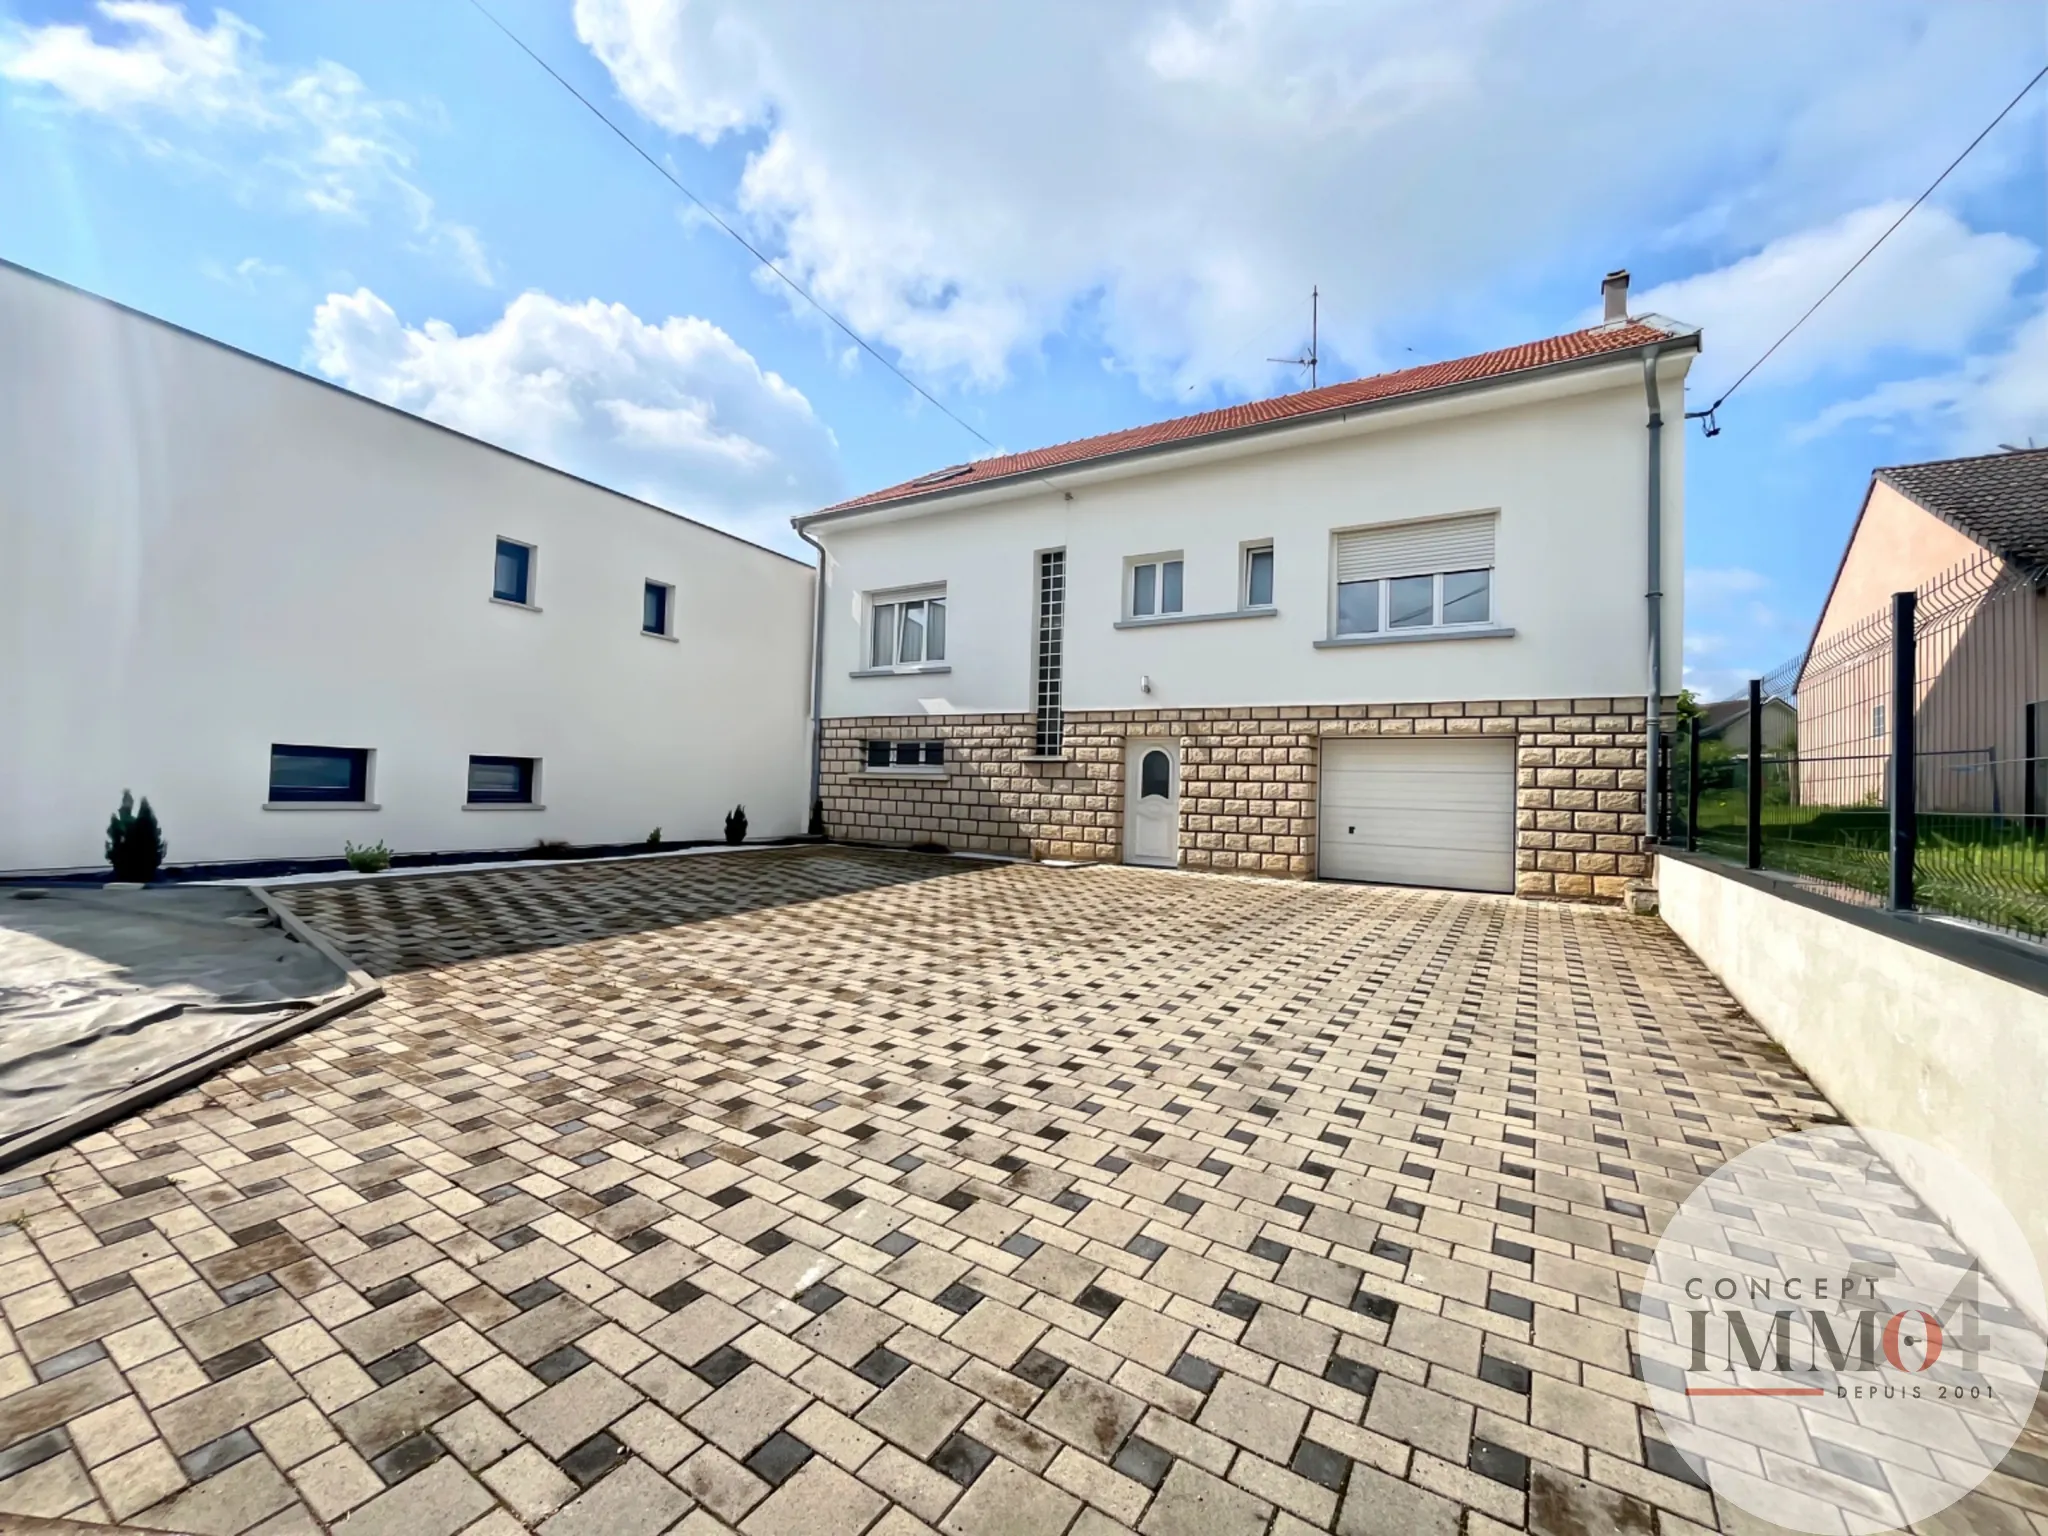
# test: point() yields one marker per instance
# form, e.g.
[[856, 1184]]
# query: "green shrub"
[[369, 859], [654, 838], [736, 824], [135, 843]]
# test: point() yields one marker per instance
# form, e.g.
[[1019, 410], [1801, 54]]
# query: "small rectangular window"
[[1877, 720], [907, 632], [1258, 577], [1155, 588], [501, 780], [337, 775], [654, 608], [513, 582], [905, 754]]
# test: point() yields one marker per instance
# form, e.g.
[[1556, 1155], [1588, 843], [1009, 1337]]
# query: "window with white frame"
[[1258, 576], [1154, 586], [882, 755], [907, 629], [1409, 578]]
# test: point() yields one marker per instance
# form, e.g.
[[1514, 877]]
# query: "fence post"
[[2030, 781], [1904, 801], [1692, 785], [1753, 854]]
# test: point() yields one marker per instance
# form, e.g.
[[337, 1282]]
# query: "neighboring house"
[[292, 617], [1728, 721], [1971, 537], [1387, 630]]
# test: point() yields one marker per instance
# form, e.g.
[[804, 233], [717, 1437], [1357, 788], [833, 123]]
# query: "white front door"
[[1152, 803]]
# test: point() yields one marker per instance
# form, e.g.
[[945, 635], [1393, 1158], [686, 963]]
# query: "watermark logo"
[[1817, 1347]]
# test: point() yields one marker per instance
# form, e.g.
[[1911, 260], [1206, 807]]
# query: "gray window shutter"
[[1417, 549]]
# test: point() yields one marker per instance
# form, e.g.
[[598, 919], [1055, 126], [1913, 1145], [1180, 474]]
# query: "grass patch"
[[1988, 870]]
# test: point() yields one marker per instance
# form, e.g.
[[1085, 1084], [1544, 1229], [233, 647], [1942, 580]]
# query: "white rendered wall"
[[1565, 462], [201, 555]]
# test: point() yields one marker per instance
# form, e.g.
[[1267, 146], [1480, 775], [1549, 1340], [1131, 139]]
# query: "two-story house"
[[1401, 629]]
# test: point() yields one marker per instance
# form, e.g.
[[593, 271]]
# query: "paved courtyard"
[[823, 1192]]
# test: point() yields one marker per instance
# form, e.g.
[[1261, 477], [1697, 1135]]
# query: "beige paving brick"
[[1192, 1503], [1008, 1501], [531, 1486], [137, 1479], [1253, 1416], [820, 1500]]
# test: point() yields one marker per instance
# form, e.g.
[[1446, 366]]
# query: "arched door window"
[[1155, 775]]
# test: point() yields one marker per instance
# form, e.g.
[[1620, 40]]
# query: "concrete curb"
[[363, 989]]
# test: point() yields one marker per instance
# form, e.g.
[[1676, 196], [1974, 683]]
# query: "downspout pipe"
[[817, 679], [1653, 711]]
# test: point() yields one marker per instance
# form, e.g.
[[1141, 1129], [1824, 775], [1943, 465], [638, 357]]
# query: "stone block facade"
[[1249, 784]]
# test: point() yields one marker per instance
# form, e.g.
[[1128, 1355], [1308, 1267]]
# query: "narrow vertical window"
[[1169, 586], [1258, 577], [512, 580], [1052, 613], [654, 609], [1144, 591]]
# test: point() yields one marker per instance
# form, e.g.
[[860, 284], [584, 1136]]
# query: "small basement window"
[[906, 754], [654, 609], [512, 579], [315, 775], [501, 780]]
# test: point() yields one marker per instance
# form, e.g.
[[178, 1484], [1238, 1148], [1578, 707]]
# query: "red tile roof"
[[1502, 364]]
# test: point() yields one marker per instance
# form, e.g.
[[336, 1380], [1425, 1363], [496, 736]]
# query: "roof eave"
[[1686, 338]]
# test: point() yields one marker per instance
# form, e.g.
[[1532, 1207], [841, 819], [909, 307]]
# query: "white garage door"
[[1419, 812]]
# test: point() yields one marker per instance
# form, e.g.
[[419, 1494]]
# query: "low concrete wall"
[[1899, 1036]]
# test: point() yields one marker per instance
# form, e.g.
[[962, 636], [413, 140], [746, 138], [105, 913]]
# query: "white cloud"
[[1166, 182], [677, 412], [1995, 397], [1931, 289], [208, 97]]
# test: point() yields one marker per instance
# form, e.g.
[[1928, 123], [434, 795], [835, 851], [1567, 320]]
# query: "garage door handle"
[[1351, 831]]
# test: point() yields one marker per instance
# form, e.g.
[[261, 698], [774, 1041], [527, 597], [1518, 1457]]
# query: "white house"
[[293, 617], [1400, 629]]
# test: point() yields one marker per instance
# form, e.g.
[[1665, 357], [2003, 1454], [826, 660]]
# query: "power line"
[[1713, 428], [712, 213]]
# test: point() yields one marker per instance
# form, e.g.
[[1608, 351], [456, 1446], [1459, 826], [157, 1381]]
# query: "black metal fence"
[[1899, 763]]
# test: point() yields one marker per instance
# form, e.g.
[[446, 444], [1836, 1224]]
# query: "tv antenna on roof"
[[1308, 359]]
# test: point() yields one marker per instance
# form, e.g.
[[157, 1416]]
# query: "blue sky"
[[1063, 217]]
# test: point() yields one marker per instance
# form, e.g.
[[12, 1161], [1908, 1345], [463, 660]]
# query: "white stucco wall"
[[1899, 1039], [1563, 460], [201, 555]]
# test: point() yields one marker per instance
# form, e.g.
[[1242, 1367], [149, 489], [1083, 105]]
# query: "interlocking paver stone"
[[1001, 1199]]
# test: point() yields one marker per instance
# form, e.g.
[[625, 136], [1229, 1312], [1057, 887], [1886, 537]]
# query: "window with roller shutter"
[[1421, 576]]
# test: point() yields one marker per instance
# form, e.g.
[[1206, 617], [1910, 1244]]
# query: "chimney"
[[1614, 295]]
